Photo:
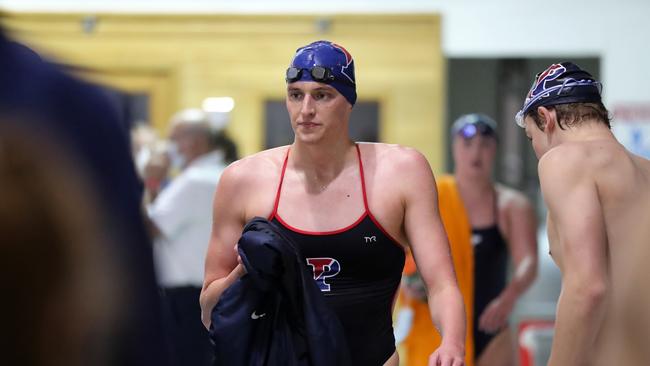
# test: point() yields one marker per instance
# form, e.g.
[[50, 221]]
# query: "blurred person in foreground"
[[60, 293], [77, 118], [489, 225], [598, 219], [182, 215], [352, 208]]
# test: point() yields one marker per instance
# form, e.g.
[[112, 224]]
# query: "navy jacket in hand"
[[275, 314]]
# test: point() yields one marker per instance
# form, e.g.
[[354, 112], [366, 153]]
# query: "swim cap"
[[325, 62], [561, 83], [470, 125]]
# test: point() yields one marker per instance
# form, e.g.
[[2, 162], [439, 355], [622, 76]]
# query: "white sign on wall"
[[631, 126]]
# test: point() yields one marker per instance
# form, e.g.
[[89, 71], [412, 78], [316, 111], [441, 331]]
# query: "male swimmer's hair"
[[572, 114]]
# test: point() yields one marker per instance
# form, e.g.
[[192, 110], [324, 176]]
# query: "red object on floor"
[[534, 341]]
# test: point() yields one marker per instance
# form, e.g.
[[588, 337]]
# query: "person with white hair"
[[182, 216]]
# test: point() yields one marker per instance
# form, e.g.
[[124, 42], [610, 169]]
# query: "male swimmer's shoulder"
[[602, 159], [643, 165], [571, 158]]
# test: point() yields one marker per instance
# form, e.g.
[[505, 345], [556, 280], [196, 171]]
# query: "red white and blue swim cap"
[[561, 83], [325, 62]]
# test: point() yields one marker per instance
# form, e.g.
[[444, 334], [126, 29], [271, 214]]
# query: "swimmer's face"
[[317, 111], [474, 156]]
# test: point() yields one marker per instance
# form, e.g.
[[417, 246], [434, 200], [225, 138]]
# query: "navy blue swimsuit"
[[490, 272], [358, 268]]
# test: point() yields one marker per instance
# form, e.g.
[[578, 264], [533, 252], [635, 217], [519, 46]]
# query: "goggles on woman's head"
[[478, 128], [319, 74], [470, 125]]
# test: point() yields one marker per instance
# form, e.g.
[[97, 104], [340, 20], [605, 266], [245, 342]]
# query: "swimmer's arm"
[[428, 241], [221, 267], [573, 202]]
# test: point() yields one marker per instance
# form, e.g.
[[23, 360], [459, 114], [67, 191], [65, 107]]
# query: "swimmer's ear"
[[549, 118]]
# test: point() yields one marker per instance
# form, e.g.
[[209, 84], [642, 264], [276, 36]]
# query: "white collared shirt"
[[183, 214]]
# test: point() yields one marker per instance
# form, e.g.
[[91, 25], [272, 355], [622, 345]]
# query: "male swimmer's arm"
[[522, 242], [221, 267], [573, 202], [430, 247]]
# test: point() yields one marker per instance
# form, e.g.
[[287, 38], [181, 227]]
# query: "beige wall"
[[182, 59]]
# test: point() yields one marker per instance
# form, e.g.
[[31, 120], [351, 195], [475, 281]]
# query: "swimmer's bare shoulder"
[[251, 182]]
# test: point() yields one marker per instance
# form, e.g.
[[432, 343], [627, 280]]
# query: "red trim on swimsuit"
[[367, 212]]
